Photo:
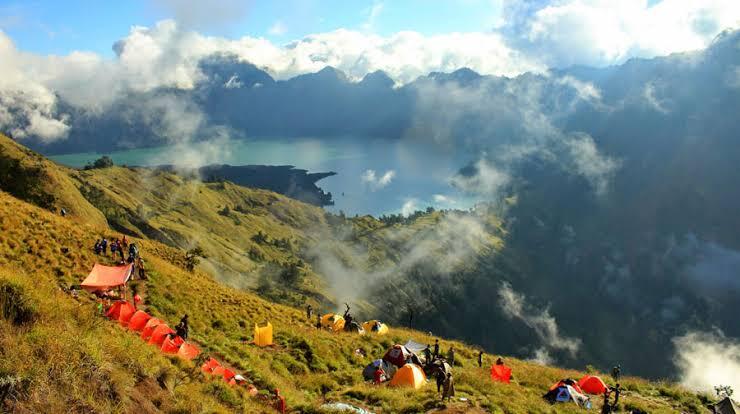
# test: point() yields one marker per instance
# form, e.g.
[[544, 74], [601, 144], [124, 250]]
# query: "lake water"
[[420, 175]]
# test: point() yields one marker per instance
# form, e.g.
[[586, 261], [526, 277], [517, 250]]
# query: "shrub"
[[102, 162], [15, 305]]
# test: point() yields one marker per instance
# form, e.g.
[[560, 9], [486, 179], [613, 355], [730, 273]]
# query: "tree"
[[102, 162], [193, 256]]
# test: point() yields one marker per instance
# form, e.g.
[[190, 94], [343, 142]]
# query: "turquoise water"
[[420, 175]]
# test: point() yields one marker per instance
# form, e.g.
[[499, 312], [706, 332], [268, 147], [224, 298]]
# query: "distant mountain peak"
[[378, 78], [462, 75]]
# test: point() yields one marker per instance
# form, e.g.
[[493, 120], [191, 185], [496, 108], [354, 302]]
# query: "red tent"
[[160, 333], [565, 382], [151, 324], [171, 346], [114, 312], [107, 277], [228, 374], [126, 312], [210, 365], [501, 373], [138, 320], [397, 355], [592, 385], [188, 351], [218, 371]]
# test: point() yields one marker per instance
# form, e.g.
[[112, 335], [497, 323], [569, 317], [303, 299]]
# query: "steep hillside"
[[60, 355], [32, 177]]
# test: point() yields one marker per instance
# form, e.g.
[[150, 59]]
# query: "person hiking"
[[436, 348], [98, 247], [318, 320], [451, 356], [448, 387], [427, 355], [309, 311], [104, 246], [480, 359], [113, 247], [440, 376], [141, 268], [124, 242], [182, 327], [616, 373]]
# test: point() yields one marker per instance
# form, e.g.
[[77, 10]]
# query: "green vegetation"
[[24, 182], [102, 162], [56, 354]]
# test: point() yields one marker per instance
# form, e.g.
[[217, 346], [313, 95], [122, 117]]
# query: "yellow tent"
[[410, 375], [375, 327], [263, 336], [332, 321]]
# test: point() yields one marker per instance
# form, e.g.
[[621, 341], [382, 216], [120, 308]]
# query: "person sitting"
[[379, 375], [182, 328]]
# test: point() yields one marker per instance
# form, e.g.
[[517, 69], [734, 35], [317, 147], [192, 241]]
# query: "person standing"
[[318, 321], [480, 359], [448, 387], [436, 348], [309, 311], [428, 355], [451, 356]]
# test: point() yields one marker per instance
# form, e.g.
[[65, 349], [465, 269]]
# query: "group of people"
[[117, 248]]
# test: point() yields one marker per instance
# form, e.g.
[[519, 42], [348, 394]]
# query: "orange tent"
[[210, 365], [160, 333], [138, 320], [171, 346], [592, 385], [501, 373], [218, 371], [228, 374], [151, 324], [107, 277], [114, 312], [188, 351], [126, 312], [409, 375]]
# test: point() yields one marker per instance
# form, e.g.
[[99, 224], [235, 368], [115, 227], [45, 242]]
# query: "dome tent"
[[369, 372], [592, 385], [333, 322], [410, 375], [376, 327], [397, 355]]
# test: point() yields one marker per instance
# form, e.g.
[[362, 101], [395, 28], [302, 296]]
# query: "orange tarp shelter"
[[592, 385], [160, 333], [107, 277], [171, 346], [138, 320], [188, 351], [501, 373], [126, 313], [151, 324]]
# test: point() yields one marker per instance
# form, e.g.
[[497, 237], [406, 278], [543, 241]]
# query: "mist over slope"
[[616, 187]]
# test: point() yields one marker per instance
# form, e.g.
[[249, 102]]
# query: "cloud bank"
[[707, 359]]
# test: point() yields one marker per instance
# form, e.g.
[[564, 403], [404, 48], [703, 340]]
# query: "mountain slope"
[[306, 363]]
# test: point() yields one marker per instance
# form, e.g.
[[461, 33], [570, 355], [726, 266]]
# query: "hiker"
[[428, 354], [451, 356], [616, 373], [133, 250], [113, 247], [480, 359], [436, 348], [98, 247], [279, 402], [448, 388], [141, 268], [309, 311], [318, 320], [440, 376], [500, 361], [104, 246], [124, 242], [606, 408], [182, 327], [379, 375]]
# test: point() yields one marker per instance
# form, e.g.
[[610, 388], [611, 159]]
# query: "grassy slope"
[[60, 182], [102, 368]]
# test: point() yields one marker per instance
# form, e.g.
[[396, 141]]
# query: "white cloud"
[[514, 305], [233, 83], [649, 93], [278, 28], [372, 14], [484, 179], [27, 107], [409, 207], [706, 360], [443, 199], [602, 32], [370, 178], [597, 168]]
